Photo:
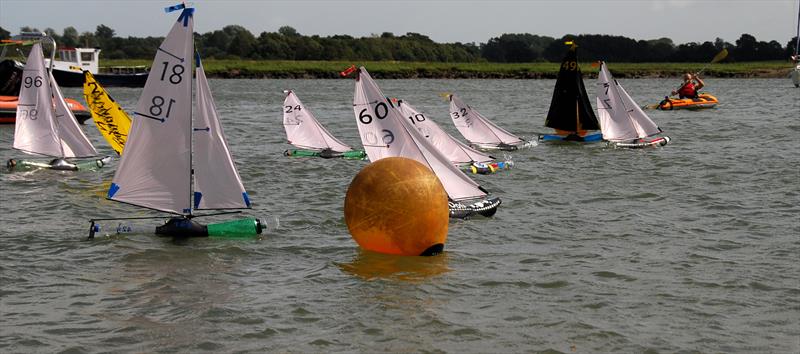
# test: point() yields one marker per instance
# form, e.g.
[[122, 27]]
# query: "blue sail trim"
[[197, 197], [197, 59], [246, 199], [187, 12], [112, 190], [174, 8]]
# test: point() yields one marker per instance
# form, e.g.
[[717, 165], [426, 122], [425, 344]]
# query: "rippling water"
[[693, 247]]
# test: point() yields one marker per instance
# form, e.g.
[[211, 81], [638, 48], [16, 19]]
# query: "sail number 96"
[[35, 81]]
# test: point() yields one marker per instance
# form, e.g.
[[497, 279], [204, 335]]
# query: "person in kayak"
[[691, 85]]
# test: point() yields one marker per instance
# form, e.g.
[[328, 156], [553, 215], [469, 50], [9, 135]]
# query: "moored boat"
[[8, 109]]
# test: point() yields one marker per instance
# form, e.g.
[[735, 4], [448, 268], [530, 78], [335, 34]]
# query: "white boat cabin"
[[77, 59]]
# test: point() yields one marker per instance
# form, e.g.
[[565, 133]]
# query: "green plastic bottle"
[[247, 227]]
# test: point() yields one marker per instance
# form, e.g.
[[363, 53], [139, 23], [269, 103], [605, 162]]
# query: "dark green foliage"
[[236, 42]]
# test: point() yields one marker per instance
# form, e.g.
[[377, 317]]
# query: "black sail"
[[570, 109]]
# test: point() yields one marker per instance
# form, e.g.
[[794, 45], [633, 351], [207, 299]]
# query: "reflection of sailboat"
[[45, 125], [159, 164], [304, 131], [571, 114], [384, 134], [458, 153], [796, 57], [622, 122], [110, 119], [479, 131]]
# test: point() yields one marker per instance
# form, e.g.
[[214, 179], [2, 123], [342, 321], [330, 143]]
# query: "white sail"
[[35, 131], [304, 131], [155, 170], [476, 128], [217, 184], [457, 152], [74, 142], [620, 117], [384, 134]]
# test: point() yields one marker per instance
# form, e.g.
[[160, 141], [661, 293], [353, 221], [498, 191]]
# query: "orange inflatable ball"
[[397, 206]]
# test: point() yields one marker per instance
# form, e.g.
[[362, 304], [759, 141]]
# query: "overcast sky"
[[442, 20]]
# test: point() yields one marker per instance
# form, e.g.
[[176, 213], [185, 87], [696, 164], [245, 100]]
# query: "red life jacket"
[[688, 90]]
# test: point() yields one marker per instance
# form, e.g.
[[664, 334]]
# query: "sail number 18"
[[177, 73]]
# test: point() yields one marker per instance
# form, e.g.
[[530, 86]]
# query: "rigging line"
[[170, 54]]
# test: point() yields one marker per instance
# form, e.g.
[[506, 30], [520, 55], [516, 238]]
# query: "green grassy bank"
[[402, 70]]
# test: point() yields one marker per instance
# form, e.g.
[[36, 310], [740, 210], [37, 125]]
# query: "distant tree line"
[[236, 42]]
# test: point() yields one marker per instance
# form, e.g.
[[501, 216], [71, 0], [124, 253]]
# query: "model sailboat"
[[479, 131], [161, 161], [305, 132], [622, 122], [45, 126], [385, 134], [459, 154], [571, 114], [110, 119]]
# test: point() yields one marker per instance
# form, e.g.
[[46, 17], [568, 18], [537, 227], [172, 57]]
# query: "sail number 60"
[[381, 111]]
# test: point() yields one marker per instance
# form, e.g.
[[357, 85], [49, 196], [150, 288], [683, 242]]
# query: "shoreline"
[[249, 69]]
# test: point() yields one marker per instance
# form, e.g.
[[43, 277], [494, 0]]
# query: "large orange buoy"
[[397, 206]]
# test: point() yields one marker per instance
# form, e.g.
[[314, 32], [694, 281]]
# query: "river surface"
[[694, 247]]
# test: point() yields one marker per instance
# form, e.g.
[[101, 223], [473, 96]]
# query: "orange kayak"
[[8, 109], [704, 100]]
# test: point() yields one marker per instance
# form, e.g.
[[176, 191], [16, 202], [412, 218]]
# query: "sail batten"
[[384, 133]]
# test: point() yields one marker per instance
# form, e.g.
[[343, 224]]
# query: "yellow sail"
[[109, 117]]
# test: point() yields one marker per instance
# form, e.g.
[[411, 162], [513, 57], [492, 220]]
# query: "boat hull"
[[75, 79], [8, 110], [572, 138], [660, 141], [796, 76], [326, 154], [502, 147], [486, 208], [704, 100]]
